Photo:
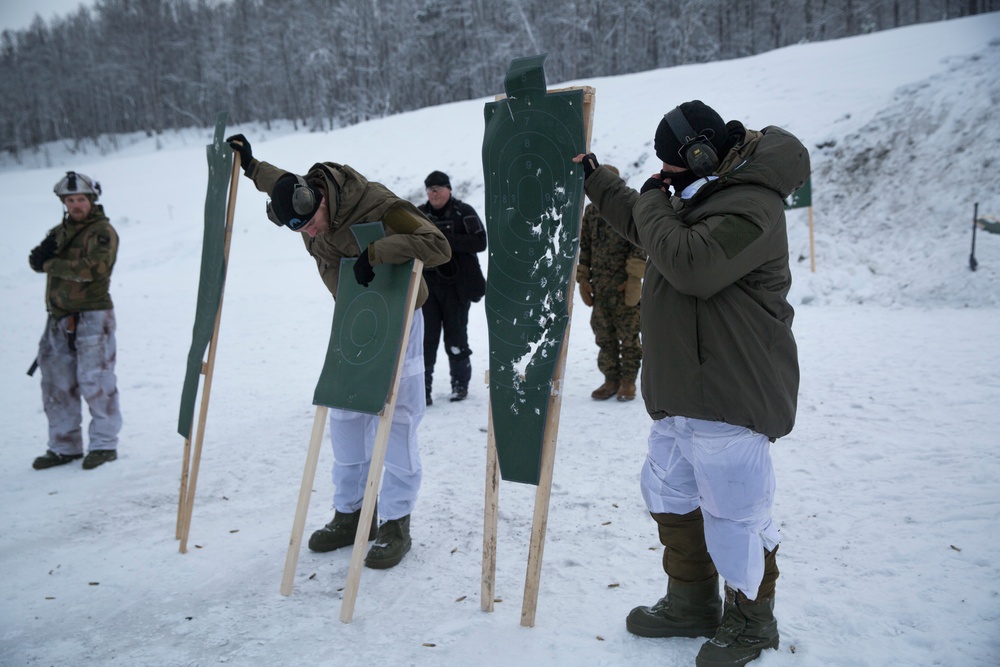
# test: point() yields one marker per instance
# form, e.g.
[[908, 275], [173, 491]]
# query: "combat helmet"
[[77, 184]]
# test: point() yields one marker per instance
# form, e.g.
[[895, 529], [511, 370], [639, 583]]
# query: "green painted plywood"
[[213, 270], [366, 333], [534, 195]]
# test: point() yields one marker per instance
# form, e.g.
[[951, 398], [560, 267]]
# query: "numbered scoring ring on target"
[[531, 175], [363, 335]]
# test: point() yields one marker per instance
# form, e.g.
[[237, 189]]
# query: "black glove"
[[240, 144], [45, 251], [363, 271], [590, 165], [653, 183]]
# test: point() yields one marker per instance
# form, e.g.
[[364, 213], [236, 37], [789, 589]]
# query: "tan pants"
[[88, 371]]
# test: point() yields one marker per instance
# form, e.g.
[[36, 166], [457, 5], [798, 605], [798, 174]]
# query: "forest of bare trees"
[[150, 65]]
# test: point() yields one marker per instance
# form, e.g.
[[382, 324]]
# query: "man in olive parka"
[[323, 205], [720, 363]]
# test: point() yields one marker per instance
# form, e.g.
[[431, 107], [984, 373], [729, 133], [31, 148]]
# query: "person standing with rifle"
[[77, 351]]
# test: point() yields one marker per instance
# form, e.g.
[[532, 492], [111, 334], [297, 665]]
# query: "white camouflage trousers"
[[727, 471], [352, 435], [89, 371]]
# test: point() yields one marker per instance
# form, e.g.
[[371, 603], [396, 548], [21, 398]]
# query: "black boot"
[[687, 610], [459, 392], [748, 627], [340, 532], [692, 606], [98, 457], [50, 459], [391, 544]]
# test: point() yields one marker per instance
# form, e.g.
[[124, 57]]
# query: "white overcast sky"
[[18, 14]]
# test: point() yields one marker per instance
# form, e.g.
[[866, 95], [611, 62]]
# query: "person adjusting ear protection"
[[720, 370]]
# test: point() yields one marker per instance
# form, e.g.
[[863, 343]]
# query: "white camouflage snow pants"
[[727, 471], [352, 435], [89, 371]]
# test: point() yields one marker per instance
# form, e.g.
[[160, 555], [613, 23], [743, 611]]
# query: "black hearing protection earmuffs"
[[303, 197], [304, 205], [696, 149]]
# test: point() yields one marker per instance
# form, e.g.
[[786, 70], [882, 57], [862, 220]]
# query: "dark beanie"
[[281, 199], [437, 178], [703, 120]]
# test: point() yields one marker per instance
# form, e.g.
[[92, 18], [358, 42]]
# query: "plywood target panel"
[[534, 194]]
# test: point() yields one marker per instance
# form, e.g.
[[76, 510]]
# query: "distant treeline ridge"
[[151, 65]]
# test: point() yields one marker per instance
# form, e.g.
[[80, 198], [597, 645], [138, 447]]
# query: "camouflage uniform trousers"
[[89, 371], [616, 331]]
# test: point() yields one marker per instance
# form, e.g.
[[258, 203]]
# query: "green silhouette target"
[[534, 195]]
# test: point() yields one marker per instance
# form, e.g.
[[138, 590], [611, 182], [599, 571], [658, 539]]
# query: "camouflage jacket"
[[605, 251], [80, 274]]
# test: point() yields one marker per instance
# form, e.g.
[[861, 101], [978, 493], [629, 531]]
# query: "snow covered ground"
[[888, 493]]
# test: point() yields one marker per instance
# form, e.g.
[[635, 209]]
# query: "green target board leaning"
[[367, 331], [534, 195], [213, 270]]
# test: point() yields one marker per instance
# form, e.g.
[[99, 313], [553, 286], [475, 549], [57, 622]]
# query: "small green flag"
[[802, 197]]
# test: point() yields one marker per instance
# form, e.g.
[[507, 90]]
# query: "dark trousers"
[[445, 310]]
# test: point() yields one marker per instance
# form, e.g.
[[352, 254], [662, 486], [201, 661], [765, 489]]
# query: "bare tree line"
[[151, 65]]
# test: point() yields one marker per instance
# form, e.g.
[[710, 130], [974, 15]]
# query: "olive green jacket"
[[716, 323], [79, 276], [351, 199]]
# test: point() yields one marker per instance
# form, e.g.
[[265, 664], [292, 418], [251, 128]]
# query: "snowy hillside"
[[887, 488]]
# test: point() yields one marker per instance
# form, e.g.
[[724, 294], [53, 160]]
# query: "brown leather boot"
[[626, 391], [606, 390]]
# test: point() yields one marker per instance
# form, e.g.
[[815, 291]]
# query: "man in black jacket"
[[453, 286]]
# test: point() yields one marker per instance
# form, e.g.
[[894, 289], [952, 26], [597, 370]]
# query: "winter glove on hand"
[[586, 289], [240, 144], [45, 251], [653, 183], [635, 268], [363, 271], [590, 165]]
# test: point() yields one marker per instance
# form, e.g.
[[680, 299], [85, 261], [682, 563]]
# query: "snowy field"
[[888, 488]]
